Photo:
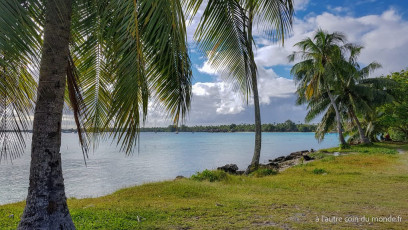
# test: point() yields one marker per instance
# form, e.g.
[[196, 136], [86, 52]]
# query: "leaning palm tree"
[[225, 34], [106, 60], [316, 74], [356, 101], [358, 93], [355, 95]]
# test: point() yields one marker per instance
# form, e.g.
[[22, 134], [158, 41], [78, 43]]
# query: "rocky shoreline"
[[279, 164]]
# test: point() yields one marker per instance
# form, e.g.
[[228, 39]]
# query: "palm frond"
[[128, 52], [275, 17], [19, 55], [222, 35], [169, 67]]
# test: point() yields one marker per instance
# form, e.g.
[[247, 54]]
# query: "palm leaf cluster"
[[18, 59], [124, 56]]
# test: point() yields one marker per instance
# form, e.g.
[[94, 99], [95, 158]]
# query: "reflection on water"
[[161, 156]]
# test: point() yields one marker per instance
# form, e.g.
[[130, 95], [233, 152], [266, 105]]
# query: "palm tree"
[[105, 59], [225, 34], [355, 94], [317, 74], [358, 93]]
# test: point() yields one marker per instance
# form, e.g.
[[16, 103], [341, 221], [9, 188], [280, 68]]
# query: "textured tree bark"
[[46, 206], [363, 137], [338, 121], [258, 127]]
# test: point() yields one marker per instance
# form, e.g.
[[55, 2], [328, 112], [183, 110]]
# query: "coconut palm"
[[106, 60], [225, 34], [358, 93], [316, 74]]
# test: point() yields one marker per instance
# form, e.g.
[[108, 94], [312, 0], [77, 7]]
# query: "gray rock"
[[279, 159], [299, 153], [307, 158], [229, 168]]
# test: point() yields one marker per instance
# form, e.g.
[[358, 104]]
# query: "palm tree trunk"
[[363, 137], [46, 206], [258, 127], [338, 119]]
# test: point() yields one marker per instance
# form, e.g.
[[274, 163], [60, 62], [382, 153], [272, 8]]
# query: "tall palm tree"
[[317, 74], [106, 60], [225, 34]]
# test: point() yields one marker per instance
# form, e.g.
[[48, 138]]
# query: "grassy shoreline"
[[366, 182]]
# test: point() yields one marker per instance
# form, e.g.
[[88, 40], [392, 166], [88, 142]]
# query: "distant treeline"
[[287, 126]]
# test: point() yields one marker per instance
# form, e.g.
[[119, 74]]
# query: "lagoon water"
[[161, 156]]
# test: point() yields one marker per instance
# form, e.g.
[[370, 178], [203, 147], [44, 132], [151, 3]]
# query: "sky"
[[381, 26]]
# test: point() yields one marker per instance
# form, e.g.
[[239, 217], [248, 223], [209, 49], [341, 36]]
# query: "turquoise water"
[[161, 156]]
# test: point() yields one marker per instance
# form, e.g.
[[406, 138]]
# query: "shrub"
[[216, 175]]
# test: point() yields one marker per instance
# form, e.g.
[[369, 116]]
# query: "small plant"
[[319, 171], [209, 175], [264, 172]]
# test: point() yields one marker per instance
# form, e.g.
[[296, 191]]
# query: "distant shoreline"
[[143, 131], [287, 126]]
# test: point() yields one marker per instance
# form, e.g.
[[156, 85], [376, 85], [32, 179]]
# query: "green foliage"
[[393, 116], [19, 56], [397, 134], [319, 171], [264, 172], [210, 175]]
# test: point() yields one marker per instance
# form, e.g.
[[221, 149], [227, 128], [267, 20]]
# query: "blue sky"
[[381, 26]]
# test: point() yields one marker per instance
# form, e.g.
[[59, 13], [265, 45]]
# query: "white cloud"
[[207, 68], [301, 4], [270, 85], [383, 36], [337, 9], [219, 96], [227, 100]]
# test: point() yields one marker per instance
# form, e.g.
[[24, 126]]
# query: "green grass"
[[264, 172], [370, 183], [376, 148]]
